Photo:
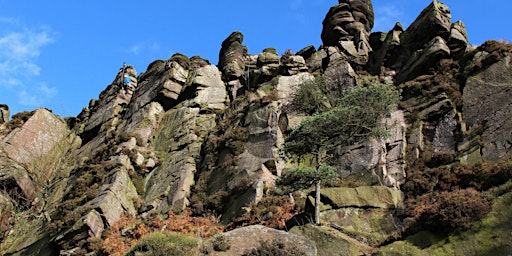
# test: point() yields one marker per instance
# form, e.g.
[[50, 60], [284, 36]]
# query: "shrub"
[[272, 211], [311, 98], [451, 210], [164, 244]]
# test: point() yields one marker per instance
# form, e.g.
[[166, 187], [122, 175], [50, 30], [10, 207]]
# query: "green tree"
[[357, 117]]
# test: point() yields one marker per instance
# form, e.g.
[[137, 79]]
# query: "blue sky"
[[59, 54]]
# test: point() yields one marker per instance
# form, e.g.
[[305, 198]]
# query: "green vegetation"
[[165, 244], [356, 118]]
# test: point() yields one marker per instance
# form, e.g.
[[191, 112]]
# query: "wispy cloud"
[[20, 48], [142, 48], [36, 97]]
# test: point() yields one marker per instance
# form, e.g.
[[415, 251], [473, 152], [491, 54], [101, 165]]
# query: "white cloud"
[[20, 48]]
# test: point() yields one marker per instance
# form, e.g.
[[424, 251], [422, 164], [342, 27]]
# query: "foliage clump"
[[357, 117], [165, 244], [272, 211], [451, 210], [453, 197]]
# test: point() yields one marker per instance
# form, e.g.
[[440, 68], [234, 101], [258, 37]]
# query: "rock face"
[[190, 137], [487, 103]]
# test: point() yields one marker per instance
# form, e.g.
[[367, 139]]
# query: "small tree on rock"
[[356, 117]]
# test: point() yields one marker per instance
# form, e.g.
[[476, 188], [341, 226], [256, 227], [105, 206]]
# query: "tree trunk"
[[317, 202]]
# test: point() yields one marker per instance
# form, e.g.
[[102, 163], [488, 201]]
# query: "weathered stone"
[[377, 161], [292, 65], [117, 194], [231, 57], [103, 114], [30, 149], [458, 41], [266, 58], [487, 103], [143, 121], [424, 59], [177, 73], [387, 51], [242, 240], [287, 86], [348, 25], [4, 113], [363, 197], [307, 52], [37, 137], [435, 20], [179, 139], [211, 91], [95, 223], [367, 225]]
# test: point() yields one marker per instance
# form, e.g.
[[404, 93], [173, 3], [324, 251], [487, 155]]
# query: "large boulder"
[[363, 197], [29, 152], [243, 240], [366, 214], [423, 59], [330, 241]]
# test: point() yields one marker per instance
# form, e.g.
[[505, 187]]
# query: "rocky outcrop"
[[232, 57], [347, 26], [189, 136]]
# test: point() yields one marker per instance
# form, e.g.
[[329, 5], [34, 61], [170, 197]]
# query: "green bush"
[[311, 97], [164, 244]]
